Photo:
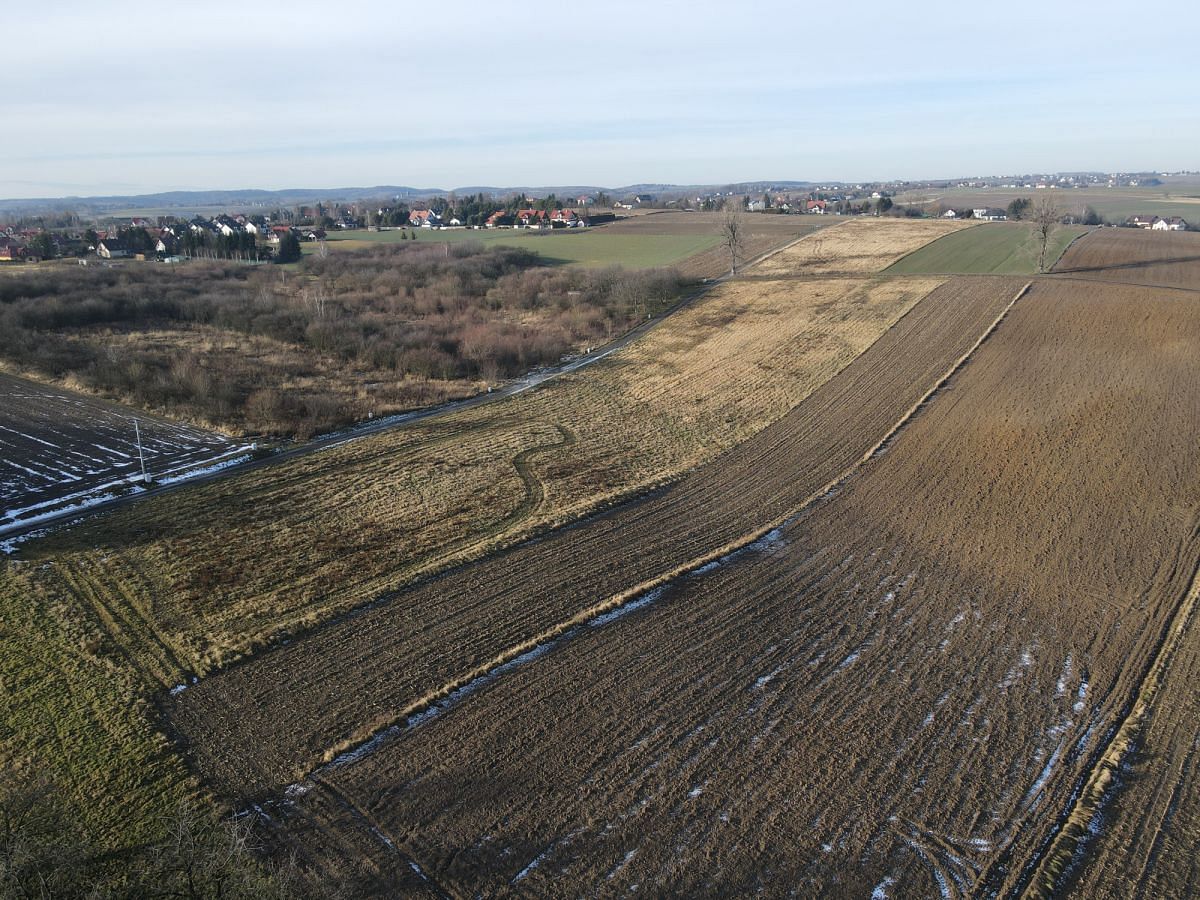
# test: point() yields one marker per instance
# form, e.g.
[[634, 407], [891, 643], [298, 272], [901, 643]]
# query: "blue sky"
[[124, 98]]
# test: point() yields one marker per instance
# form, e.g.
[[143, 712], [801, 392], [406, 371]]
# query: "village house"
[[112, 248], [1158, 223], [9, 249], [424, 218], [817, 207], [1173, 223], [989, 214], [226, 226], [532, 218], [499, 219]]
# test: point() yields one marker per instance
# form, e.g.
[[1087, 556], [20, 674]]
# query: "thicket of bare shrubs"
[[367, 333]]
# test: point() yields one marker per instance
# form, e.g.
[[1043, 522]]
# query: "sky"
[[121, 98]]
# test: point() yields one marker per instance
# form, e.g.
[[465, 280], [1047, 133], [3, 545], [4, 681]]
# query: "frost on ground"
[[61, 453]]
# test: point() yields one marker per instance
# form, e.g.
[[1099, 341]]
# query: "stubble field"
[[856, 247]]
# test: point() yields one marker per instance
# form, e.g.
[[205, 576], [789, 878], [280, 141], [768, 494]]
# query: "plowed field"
[[900, 690], [369, 671], [1135, 256]]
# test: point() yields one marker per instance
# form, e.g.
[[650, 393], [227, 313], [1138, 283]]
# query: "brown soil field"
[[366, 672], [763, 233], [902, 689], [856, 246], [1135, 256]]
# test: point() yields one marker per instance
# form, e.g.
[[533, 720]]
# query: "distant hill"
[[184, 201]]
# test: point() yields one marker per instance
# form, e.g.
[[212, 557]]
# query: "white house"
[[112, 248], [988, 214]]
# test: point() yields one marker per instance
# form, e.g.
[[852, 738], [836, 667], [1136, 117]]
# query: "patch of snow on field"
[[616, 870], [1064, 679], [880, 892], [210, 467], [626, 609], [533, 864], [9, 545], [1081, 696]]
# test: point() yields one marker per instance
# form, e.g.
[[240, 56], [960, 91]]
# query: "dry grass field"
[[857, 246], [1136, 256], [99, 618], [900, 690]]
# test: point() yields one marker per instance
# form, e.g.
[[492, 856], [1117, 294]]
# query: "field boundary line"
[[887, 269], [1070, 244], [1101, 781], [374, 729]]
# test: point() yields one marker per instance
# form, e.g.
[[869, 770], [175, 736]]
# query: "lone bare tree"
[[1046, 215], [733, 235]]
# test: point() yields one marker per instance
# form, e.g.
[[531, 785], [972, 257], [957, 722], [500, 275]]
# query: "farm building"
[[1158, 223], [1174, 223]]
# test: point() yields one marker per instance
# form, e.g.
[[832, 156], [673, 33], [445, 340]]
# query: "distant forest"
[[262, 350]]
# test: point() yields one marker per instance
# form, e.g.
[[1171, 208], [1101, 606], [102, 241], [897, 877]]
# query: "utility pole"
[[141, 457]]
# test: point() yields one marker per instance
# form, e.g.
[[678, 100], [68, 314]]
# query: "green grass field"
[[593, 247], [998, 248]]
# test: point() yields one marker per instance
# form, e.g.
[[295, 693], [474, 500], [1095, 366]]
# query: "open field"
[[369, 669], [1136, 256], [586, 247], [763, 233], [995, 248], [867, 698], [101, 617], [868, 583], [685, 240], [61, 450], [856, 246]]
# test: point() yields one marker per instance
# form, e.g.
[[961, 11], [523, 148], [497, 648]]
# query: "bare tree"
[[733, 234], [1046, 215]]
